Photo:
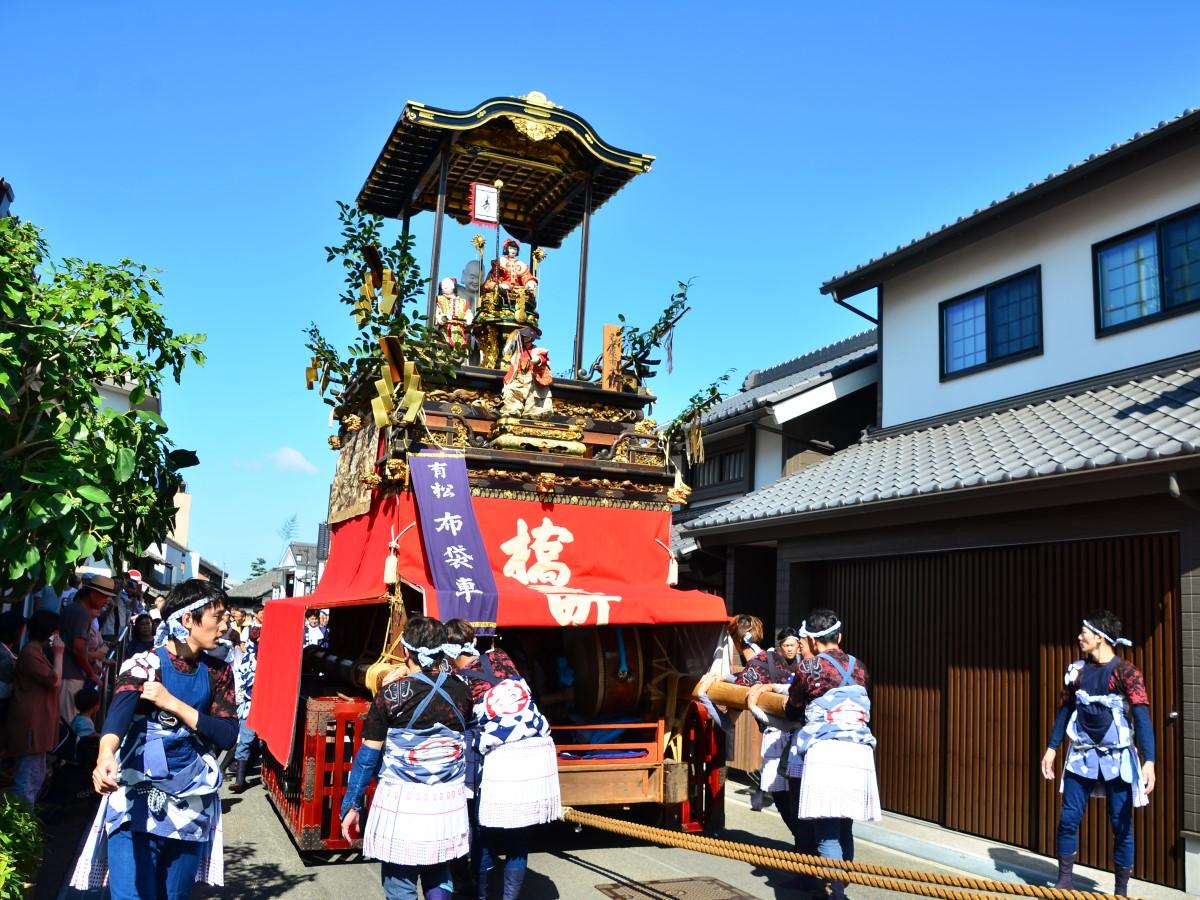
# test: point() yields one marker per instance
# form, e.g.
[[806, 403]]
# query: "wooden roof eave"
[[403, 178]]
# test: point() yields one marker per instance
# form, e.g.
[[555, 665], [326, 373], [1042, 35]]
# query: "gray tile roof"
[[1083, 168], [762, 387], [304, 553], [1151, 417], [257, 587]]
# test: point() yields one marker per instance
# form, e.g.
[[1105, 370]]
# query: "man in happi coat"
[[158, 829], [517, 779], [1105, 712], [833, 751], [413, 741]]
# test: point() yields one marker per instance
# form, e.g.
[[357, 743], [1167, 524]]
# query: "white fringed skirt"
[[519, 786], [417, 824], [839, 782]]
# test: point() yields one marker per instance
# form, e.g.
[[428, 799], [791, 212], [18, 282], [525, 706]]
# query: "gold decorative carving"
[[679, 494], [599, 413], [461, 435], [395, 470], [571, 500], [349, 495], [335, 442], [457, 409], [352, 422], [536, 105], [370, 479], [527, 428], [545, 482], [646, 428], [463, 396]]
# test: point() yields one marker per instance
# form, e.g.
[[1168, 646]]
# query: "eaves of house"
[[1109, 426], [1141, 150]]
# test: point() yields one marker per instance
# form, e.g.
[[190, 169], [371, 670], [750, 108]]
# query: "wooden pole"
[[581, 305], [733, 696], [436, 261]]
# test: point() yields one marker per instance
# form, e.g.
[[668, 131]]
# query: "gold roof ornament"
[[536, 103]]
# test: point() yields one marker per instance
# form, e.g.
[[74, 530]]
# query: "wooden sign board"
[[610, 378]]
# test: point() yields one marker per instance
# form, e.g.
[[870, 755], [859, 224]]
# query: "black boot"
[[1121, 884], [227, 762], [241, 778], [1066, 871]]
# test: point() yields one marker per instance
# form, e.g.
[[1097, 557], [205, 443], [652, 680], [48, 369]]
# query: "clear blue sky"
[[794, 141]]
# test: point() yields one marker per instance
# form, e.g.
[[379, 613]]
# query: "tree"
[[78, 478], [258, 567], [365, 256]]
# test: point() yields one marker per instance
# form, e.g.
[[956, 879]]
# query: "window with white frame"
[[996, 323], [1148, 274]]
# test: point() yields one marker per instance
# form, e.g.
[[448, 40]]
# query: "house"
[[255, 591], [1037, 455], [783, 419], [298, 569]]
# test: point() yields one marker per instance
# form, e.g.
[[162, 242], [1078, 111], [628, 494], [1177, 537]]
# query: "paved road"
[[261, 861]]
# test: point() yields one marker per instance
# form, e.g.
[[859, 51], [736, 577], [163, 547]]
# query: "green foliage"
[[258, 567], [638, 343], [76, 478], [687, 423], [20, 848], [361, 237]]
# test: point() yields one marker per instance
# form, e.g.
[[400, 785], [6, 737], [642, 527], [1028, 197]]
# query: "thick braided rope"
[[911, 881]]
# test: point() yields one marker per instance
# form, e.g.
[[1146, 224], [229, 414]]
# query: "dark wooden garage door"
[[967, 650]]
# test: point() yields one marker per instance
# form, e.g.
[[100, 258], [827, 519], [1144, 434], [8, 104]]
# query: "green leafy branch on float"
[[637, 344], [79, 478], [364, 254], [684, 431]]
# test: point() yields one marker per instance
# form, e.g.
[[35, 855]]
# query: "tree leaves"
[[423, 343], [93, 493], [78, 476]]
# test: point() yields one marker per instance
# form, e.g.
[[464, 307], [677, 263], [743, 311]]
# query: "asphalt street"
[[262, 862]]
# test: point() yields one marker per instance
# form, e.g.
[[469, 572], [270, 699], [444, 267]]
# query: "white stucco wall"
[[1060, 241], [768, 457]]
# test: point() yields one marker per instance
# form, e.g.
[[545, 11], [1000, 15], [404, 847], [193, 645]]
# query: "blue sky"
[[794, 141]]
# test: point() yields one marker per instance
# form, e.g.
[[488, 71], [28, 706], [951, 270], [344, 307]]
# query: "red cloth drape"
[[605, 566]]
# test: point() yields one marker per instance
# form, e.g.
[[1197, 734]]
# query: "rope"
[[909, 881]]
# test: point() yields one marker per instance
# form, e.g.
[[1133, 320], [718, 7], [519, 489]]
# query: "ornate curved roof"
[[543, 154]]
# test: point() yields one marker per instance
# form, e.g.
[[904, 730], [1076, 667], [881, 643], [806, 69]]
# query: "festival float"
[[472, 482]]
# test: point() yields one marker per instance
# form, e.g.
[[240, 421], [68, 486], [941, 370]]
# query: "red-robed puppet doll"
[[508, 272]]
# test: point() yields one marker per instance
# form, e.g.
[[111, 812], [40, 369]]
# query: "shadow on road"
[[248, 880], [1034, 869]]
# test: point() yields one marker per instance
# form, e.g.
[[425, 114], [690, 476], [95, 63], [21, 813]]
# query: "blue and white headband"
[[172, 625], [426, 656], [1119, 642], [468, 649], [454, 651], [832, 630]]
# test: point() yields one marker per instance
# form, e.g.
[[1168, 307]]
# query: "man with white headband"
[[833, 752], [412, 739], [516, 786], [1105, 712], [158, 830]]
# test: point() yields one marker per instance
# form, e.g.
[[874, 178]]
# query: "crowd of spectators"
[[59, 658]]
